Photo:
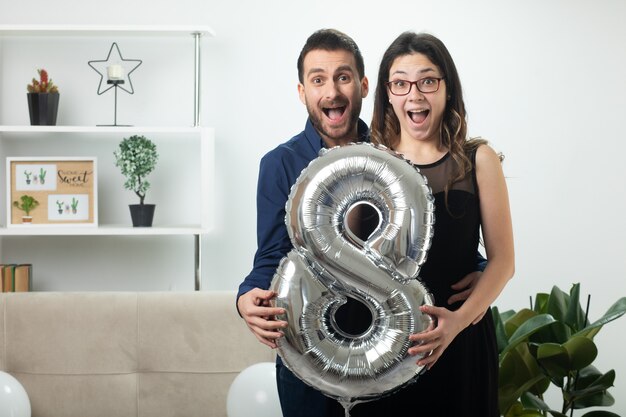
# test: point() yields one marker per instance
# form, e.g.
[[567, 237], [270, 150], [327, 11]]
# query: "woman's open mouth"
[[418, 117]]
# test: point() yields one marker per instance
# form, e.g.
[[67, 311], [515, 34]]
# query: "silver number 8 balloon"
[[333, 262]]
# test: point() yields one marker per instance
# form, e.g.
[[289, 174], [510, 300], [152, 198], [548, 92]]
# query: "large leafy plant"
[[552, 344]]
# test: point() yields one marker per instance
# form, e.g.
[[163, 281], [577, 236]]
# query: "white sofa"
[[126, 354]]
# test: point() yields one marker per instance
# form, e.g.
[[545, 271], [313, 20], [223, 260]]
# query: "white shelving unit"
[[105, 30], [204, 136]]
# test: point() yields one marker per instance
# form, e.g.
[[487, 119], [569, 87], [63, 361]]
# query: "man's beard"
[[352, 122]]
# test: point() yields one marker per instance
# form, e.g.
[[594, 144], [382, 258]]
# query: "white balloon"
[[254, 392], [14, 400]]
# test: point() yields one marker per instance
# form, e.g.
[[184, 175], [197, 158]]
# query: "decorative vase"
[[142, 214], [43, 108]]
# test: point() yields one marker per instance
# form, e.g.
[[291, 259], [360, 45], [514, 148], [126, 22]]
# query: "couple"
[[418, 112]]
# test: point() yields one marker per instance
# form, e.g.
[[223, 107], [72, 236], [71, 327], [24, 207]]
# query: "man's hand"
[[465, 287], [254, 307], [432, 342]]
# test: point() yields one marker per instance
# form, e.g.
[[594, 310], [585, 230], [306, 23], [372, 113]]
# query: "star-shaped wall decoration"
[[98, 65]]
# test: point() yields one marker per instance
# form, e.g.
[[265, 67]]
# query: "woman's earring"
[[389, 101]]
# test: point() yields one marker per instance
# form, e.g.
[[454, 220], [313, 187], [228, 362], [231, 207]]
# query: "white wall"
[[544, 82]]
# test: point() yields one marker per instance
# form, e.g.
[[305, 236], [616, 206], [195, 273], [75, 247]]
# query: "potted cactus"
[[27, 174], [42, 176], [43, 100], [136, 157], [74, 205], [27, 203]]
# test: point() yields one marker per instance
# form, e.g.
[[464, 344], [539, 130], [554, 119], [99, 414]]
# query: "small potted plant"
[[136, 157], [27, 204], [43, 100]]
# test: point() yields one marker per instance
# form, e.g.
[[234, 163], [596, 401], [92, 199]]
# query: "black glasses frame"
[[389, 83]]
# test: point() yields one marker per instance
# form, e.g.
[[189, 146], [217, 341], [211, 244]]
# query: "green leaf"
[[529, 327], [554, 359], [541, 303], [601, 399], [589, 332], [507, 315], [557, 303], [586, 386], [533, 370], [558, 332], [556, 413], [513, 411], [600, 413], [540, 387], [518, 373], [518, 410], [575, 317], [501, 338], [581, 351], [518, 319], [562, 360], [587, 376], [530, 400], [617, 310]]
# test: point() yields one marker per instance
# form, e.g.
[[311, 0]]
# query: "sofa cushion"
[[126, 354]]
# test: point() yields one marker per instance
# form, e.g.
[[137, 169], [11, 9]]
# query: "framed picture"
[[52, 191]]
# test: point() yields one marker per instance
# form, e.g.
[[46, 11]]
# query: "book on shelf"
[[2, 276], [22, 278], [8, 271], [16, 277]]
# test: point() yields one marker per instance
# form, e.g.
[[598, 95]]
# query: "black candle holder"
[[115, 83]]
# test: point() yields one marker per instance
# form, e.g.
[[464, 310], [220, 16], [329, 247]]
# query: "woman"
[[419, 112]]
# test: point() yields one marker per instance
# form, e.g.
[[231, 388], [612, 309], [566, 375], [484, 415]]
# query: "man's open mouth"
[[334, 113]]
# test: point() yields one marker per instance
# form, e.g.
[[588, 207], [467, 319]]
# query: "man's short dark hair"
[[331, 40]]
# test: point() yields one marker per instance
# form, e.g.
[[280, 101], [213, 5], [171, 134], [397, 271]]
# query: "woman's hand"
[[436, 339]]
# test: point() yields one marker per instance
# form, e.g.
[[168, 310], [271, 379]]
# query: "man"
[[332, 85]]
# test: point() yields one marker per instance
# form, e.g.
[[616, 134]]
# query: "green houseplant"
[[27, 203], [43, 100], [551, 344], [136, 157]]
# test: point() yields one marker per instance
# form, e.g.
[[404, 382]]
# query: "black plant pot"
[[142, 214], [43, 108]]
